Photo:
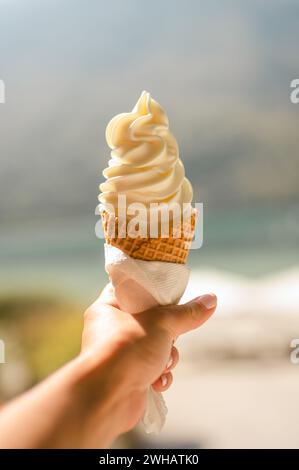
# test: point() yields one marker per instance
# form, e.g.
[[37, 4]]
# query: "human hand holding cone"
[[146, 270]]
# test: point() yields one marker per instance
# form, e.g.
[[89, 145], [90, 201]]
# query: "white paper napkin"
[[140, 285]]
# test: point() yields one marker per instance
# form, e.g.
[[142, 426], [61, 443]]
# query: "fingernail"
[[169, 363], [208, 300], [164, 380]]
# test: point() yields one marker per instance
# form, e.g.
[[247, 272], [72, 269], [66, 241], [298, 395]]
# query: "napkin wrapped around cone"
[[145, 273]]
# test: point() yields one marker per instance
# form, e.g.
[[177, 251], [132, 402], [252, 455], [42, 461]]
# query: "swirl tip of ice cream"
[[145, 166]]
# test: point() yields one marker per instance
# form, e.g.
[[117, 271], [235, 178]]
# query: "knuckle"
[[155, 317], [166, 321], [192, 311], [87, 314], [161, 320], [175, 353], [169, 379], [91, 313]]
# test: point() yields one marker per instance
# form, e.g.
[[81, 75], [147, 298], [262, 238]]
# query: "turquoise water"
[[65, 257]]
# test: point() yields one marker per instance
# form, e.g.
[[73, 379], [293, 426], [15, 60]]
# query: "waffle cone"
[[173, 249]]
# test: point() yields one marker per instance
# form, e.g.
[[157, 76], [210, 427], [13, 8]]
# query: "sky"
[[222, 70]]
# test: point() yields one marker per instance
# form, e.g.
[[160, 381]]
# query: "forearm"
[[75, 407]]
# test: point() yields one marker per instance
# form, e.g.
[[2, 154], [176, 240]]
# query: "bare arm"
[[101, 393]]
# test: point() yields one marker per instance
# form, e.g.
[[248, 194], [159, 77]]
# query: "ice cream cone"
[[172, 249]]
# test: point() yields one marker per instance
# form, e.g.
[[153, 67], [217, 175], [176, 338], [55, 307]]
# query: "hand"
[[138, 348], [101, 393]]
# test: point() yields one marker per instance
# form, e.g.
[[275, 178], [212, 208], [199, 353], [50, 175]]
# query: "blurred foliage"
[[47, 330]]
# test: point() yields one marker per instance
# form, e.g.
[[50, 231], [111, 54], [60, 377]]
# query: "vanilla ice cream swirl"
[[145, 164]]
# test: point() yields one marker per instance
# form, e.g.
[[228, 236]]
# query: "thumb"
[[182, 318]]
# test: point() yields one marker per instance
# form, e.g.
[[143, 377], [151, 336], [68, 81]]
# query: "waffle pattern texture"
[[173, 249]]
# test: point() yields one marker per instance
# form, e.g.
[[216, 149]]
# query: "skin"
[[101, 393]]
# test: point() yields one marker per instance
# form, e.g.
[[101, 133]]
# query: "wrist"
[[100, 394]]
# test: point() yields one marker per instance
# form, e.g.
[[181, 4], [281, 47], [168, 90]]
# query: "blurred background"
[[222, 70]]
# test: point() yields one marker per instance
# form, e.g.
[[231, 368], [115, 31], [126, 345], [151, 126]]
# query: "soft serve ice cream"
[[145, 165]]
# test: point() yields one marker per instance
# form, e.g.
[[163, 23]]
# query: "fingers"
[[179, 319], [107, 296], [163, 382], [166, 379], [173, 359]]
